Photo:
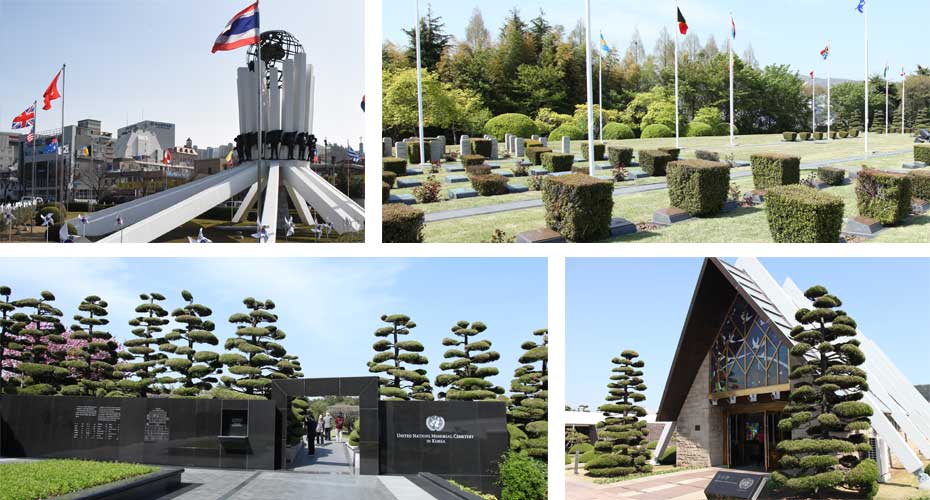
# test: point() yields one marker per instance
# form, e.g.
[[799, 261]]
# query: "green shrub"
[[818, 136], [587, 456], [55, 478], [789, 136], [922, 153], [800, 214], [842, 134], [618, 131], [49, 209], [700, 154], [54, 234], [581, 448], [804, 136], [657, 130], [620, 157], [831, 176], [534, 154], [927, 469], [698, 187], [478, 169], [481, 147], [920, 184], [558, 162], [599, 150], [578, 206], [770, 170], [854, 132], [413, 151], [522, 477], [883, 196], [401, 224], [653, 161], [699, 129], [510, 123], [669, 456], [389, 177], [532, 143], [469, 160], [864, 478], [489, 185], [566, 130], [385, 192], [673, 152], [724, 129], [832, 134]]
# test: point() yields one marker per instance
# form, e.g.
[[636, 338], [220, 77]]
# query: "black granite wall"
[[165, 431]]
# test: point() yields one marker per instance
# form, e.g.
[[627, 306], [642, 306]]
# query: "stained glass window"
[[748, 352]]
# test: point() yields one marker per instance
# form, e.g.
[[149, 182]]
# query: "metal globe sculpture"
[[277, 46]]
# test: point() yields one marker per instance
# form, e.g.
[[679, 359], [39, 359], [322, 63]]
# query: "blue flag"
[[861, 6]]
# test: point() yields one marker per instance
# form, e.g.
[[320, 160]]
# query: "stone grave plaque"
[[452, 179], [465, 145], [406, 199], [387, 147], [914, 165], [669, 216], [620, 226], [459, 193], [542, 235], [517, 188], [520, 147], [727, 485], [566, 144], [862, 226], [408, 183], [414, 170], [505, 173], [402, 150]]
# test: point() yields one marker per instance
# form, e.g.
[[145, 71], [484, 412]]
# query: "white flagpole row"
[[886, 103], [419, 86], [865, 12], [677, 33], [732, 41], [600, 96], [829, 114], [590, 85], [813, 105], [903, 102]]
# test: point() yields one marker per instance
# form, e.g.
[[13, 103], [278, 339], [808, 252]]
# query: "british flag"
[[26, 118]]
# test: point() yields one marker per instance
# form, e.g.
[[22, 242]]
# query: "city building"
[[184, 155], [10, 144], [204, 168], [139, 144], [162, 130], [67, 165]]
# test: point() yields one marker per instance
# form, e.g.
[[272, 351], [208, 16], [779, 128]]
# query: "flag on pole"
[[682, 24], [167, 158], [902, 73], [51, 93], [604, 46], [352, 154], [52, 146], [26, 118], [812, 75], [861, 7], [31, 136], [825, 53], [228, 160], [363, 103], [241, 30], [885, 75], [733, 27]]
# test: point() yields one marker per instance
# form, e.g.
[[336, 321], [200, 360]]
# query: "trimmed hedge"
[[478, 169], [699, 129], [534, 154], [801, 214], [673, 152], [724, 129], [653, 161], [389, 177], [770, 170], [669, 456], [614, 131], [883, 196], [578, 206], [920, 184], [481, 147], [657, 130], [698, 187], [853, 132], [922, 153], [831, 175], [804, 136], [401, 224], [385, 192], [558, 162], [842, 134], [833, 134], [398, 166], [701, 154], [789, 136], [599, 150], [619, 156], [531, 143], [510, 123], [49, 209], [566, 129], [469, 160], [489, 185], [413, 151]]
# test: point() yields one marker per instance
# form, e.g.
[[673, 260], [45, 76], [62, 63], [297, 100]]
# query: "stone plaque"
[[465, 144], [156, 426], [735, 485]]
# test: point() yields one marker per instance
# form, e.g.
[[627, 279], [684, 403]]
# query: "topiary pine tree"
[[466, 380], [263, 358], [145, 364], [6, 330], [38, 366], [621, 447], [392, 357], [195, 368], [96, 366], [825, 404], [529, 389]]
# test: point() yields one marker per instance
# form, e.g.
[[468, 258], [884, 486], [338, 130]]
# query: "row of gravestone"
[[514, 145]]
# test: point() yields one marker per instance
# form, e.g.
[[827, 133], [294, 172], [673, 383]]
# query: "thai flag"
[[242, 30]]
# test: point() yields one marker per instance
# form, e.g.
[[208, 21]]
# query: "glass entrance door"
[[747, 441]]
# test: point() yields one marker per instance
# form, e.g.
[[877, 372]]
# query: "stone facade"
[[699, 430]]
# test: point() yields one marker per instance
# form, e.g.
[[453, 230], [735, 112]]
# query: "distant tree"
[[749, 57], [195, 368], [664, 51], [433, 41], [476, 34], [147, 362], [529, 396], [392, 356], [465, 380], [636, 48], [262, 358], [37, 365]]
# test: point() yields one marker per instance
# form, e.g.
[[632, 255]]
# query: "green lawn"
[[46, 478]]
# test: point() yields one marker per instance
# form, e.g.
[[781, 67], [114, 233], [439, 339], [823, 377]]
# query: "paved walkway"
[[329, 458], [537, 202], [686, 485]]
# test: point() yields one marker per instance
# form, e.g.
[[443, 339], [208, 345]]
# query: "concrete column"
[[300, 88], [242, 74], [311, 98], [465, 143], [274, 94], [308, 99], [288, 103]]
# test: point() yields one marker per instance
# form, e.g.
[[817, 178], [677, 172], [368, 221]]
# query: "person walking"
[[319, 430], [310, 423], [328, 426], [340, 422]]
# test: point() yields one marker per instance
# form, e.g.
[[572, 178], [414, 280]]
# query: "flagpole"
[[903, 97], [600, 96], [35, 123], [590, 87], [886, 100], [813, 105], [60, 171], [676, 82], [732, 39], [259, 70], [829, 116], [419, 86], [865, 12]]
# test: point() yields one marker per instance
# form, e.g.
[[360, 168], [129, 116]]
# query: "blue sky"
[[329, 308], [154, 55], [786, 32], [641, 304]]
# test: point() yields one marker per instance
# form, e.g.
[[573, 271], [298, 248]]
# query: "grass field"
[[745, 225], [47, 478]]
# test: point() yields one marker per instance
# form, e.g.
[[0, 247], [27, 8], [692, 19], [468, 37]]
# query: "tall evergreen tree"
[[147, 362], [466, 378], [262, 358], [96, 368], [38, 365], [476, 34], [6, 329], [621, 447], [529, 397], [433, 41], [195, 368], [393, 354], [825, 404]]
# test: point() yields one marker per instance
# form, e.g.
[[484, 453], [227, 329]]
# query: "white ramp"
[[270, 208], [333, 206]]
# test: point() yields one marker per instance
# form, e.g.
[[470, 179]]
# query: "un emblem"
[[435, 423], [745, 484]]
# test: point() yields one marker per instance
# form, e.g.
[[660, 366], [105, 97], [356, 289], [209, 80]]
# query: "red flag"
[[51, 93], [167, 159], [682, 24], [812, 75]]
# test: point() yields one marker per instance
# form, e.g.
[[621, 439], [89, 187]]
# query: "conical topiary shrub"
[[529, 389], [827, 417], [146, 363], [38, 368], [98, 356], [621, 447], [392, 356], [466, 375], [6, 331], [194, 368], [262, 358]]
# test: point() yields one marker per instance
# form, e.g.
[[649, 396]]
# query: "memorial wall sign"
[[162, 431], [457, 440]]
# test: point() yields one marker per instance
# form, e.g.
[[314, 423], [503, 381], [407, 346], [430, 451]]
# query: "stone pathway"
[[535, 203], [686, 485], [329, 458]]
